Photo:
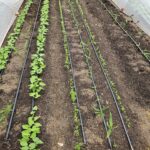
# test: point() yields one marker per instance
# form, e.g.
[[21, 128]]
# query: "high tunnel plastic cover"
[[139, 10], [8, 10]]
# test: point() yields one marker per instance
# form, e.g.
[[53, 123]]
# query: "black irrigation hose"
[[115, 100], [97, 95], [21, 76], [77, 99], [33, 103], [109, 85], [1, 73], [125, 31], [74, 82], [95, 89]]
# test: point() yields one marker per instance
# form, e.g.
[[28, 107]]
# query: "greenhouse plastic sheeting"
[[8, 10], [139, 10]]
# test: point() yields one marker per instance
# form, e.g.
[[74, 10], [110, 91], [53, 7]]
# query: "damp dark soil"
[[10, 80], [92, 125], [127, 67], [118, 136], [55, 105], [127, 22]]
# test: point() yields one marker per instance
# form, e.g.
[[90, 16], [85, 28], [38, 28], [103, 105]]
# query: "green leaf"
[[73, 95], [35, 129], [36, 118], [37, 141], [37, 124], [35, 108], [108, 133], [30, 121], [110, 120], [32, 146], [25, 133], [33, 135], [23, 142], [25, 148], [26, 126], [110, 125]]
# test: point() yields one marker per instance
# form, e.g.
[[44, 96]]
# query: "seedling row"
[[32, 128], [78, 121], [102, 62]]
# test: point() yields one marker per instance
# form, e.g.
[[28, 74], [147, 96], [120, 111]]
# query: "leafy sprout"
[[29, 139], [110, 125]]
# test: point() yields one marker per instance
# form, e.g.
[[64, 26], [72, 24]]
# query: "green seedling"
[[36, 86], [100, 112], [29, 139], [78, 146], [37, 65], [147, 54], [110, 125], [76, 122], [4, 112], [31, 130], [73, 95], [115, 145], [66, 47]]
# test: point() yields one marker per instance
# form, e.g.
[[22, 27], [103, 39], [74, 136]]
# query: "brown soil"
[[10, 80], [126, 66], [124, 63], [55, 106], [93, 126], [139, 35], [118, 137]]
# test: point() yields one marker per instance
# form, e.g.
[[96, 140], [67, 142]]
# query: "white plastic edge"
[[8, 11], [139, 10]]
